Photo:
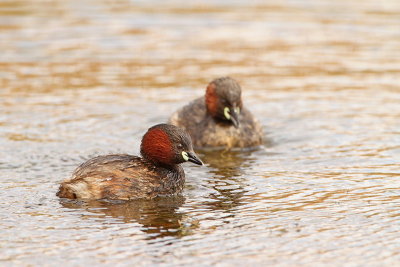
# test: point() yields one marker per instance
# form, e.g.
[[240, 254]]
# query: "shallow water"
[[79, 79]]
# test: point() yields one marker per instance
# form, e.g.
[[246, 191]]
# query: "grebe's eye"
[[180, 146]]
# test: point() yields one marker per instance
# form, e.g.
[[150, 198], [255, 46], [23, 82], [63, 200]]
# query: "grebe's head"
[[167, 145], [223, 100]]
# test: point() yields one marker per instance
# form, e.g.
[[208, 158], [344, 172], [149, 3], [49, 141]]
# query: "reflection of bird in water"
[[226, 163], [227, 167], [159, 217]]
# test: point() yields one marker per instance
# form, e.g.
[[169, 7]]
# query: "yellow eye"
[[226, 113]]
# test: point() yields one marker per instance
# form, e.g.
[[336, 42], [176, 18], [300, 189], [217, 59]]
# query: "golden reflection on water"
[[79, 79], [49, 53], [158, 219]]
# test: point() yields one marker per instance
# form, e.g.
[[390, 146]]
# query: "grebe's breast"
[[206, 131]]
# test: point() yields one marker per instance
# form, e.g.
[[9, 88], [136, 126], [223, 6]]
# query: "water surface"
[[84, 78]]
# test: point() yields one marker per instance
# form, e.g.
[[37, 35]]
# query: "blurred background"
[[83, 78]]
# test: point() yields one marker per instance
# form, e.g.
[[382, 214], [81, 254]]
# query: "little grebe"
[[219, 119], [126, 177]]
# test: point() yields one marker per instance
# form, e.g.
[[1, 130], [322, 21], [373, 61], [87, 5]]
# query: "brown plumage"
[[219, 119], [123, 176]]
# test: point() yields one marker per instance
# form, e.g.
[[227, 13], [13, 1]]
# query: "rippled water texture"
[[83, 78]]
